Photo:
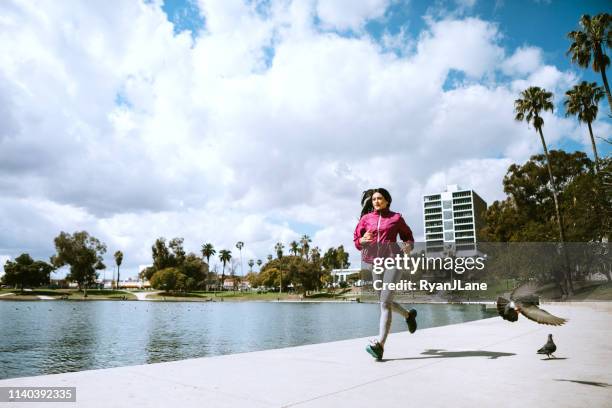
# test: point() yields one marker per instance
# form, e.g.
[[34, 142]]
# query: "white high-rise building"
[[452, 217]]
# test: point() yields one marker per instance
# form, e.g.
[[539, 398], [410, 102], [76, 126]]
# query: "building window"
[[448, 225], [446, 204], [448, 215], [449, 236]]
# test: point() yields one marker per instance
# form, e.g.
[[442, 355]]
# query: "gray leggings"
[[387, 305]]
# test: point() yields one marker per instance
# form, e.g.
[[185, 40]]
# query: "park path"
[[143, 295], [487, 363]]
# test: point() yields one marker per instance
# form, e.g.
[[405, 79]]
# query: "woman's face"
[[379, 202]]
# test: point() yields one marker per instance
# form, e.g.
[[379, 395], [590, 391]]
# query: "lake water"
[[45, 337]]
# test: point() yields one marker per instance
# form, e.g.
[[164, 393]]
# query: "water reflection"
[[60, 336]]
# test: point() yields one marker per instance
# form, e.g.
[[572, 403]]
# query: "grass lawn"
[[243, 296], [72, 294], [6, 291], [586, 292]]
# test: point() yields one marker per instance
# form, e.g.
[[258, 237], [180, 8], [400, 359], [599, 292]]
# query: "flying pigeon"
[[549, 348], [524, 300]]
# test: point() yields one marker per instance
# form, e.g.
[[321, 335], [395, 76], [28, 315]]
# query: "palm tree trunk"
[[594, 147], [604, 78], [569, 289], [223, 278]]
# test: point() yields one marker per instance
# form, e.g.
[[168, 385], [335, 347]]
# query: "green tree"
[[294, 248], [279, 254], [305, 241], [83, 253], [269, 277], [527, 214], [195, 270], [24, 271], [118, 260], [178, 253], [315, 258], [582, 101], [224, 256], [208, 250], [589, 45], [168, 279], [162, 256], [343, 257], [253, 279], [335, 258], [165, 256], [533, 102]]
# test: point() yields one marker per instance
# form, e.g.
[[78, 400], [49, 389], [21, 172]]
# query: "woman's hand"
[[366, 238], [408, 246]]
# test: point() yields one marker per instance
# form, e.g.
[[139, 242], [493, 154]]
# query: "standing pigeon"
[[549, 348], [524, 300]]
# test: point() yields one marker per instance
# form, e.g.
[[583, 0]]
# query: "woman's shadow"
[[438, 353]]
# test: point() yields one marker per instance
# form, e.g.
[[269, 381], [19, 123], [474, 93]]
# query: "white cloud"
[[548, 77], [478, 53], [525, 60], [262, 124], [349, 14], [3, 259]]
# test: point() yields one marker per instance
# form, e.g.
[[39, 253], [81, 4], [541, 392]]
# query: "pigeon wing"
[[541, 316], [528, 300]]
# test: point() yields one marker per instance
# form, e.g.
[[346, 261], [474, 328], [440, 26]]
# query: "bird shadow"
[[438, 353], [553, 358], [593, 383]]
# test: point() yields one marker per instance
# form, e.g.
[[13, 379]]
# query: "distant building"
[[341, 275], [129, 283], [452, 218], [229, 284]]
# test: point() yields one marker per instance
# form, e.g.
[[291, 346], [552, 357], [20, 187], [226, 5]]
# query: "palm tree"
[[590, 43], [305, 241], [270, 257], [207, 251], [224, 256], [315, 256], [279, 254], [118, 260], [240, 245], [251, 263], [259, 262], [534, 101], [341, 255], [295, 248], [582, 100]]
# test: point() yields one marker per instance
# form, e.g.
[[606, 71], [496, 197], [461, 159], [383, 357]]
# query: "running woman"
[[376, 236]]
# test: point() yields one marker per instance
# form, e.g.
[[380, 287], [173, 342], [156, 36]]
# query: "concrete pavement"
[[484, 363]]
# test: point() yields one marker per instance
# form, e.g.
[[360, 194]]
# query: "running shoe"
[[375, 349]]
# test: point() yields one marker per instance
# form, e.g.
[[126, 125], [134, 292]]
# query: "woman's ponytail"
[[366, 202]]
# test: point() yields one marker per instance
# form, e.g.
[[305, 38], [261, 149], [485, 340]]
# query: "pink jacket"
[[385, 226]]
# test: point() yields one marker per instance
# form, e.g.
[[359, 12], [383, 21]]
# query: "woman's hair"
[[366, 199]]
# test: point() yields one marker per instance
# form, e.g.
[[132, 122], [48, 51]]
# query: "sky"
[[261, 121]]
